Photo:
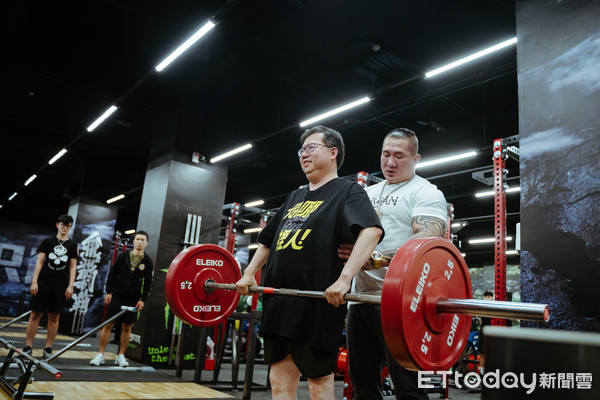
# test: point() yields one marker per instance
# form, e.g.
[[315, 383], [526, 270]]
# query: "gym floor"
[[260, 378], [82, 381]]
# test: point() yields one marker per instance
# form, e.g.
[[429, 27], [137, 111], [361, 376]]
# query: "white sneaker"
[[121, 361], [98, 360]]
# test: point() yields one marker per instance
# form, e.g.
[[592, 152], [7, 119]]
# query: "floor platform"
[[83, 381]]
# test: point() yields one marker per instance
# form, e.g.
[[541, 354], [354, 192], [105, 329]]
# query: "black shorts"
[[50, 297], [311, 362], [114, 307]]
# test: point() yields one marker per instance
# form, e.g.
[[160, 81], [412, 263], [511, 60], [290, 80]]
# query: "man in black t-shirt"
[[52, 282], [299, 246]]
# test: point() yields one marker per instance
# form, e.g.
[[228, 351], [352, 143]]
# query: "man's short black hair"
[[142, 233], [488, 293], [331, 138], [404, 133], [65, 219]]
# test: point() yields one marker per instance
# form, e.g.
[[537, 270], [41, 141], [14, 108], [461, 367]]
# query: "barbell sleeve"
[[43, 365], [50, 370], [495, 309]]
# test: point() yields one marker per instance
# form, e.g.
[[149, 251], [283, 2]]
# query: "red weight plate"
[[420, 337], [184, 285], [342, 361]]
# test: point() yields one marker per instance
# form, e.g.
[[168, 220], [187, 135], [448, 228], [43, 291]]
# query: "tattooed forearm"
[[428, 226]]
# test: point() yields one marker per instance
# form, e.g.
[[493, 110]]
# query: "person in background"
[[52, 283], [128, 284]]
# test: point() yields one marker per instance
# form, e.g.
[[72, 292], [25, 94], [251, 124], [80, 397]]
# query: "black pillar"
[[173, 188]]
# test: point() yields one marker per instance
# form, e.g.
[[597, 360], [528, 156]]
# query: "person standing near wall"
[[128, 284], [52, 282]]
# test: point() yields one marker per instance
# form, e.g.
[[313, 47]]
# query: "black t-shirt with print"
[[58, 259], [303, 238]]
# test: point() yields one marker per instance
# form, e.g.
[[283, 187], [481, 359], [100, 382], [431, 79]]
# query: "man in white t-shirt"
[[409, 207]]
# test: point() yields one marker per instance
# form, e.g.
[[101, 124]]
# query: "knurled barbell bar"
[[426, 302]]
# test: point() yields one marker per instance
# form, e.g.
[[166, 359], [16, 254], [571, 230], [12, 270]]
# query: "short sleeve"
[[44, 246], [359, 213], [266, 236], [73, 253], [430, 202]]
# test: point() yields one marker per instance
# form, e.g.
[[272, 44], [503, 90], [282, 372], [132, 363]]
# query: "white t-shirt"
[[396, 205]]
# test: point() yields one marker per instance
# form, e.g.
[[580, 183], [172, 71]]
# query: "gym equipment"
[[184, 285], [42, 365], [12, 321], [34, 364], [426, 302]]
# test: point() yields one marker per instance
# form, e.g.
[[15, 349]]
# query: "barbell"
[[43, 364], [426, 301]]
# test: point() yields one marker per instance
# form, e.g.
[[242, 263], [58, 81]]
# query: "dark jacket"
[[132, 285]]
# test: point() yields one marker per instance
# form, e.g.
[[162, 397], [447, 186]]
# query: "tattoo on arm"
[[428, 226]]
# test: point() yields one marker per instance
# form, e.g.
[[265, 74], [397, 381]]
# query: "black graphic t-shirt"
[[58, 259], [303, 238]]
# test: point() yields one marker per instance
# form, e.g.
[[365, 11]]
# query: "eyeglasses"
[[309, 148]]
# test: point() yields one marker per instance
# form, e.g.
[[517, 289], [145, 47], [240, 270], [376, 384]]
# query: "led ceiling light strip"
[[491, 192], [31, 179], [446, 159], [230, 153], [254, 203], [472, 57], [338, 110], [186, 45], [101, 119], [57, 156], [487, 240], [116, 198]]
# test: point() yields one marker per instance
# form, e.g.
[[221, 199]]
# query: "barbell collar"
[[495, 309]]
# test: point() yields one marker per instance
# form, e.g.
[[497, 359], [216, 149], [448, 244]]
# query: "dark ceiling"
[[265, 67]]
